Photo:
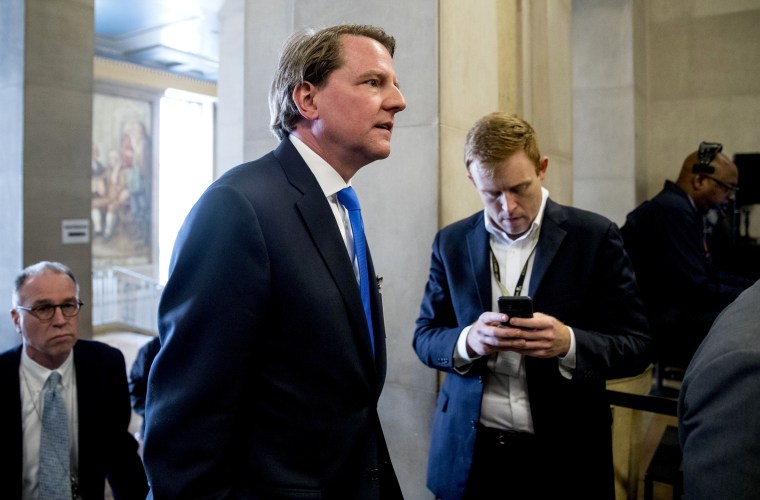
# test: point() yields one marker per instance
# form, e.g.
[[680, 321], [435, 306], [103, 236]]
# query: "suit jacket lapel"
[[378, 322], [320, 222], [549, 241], [477, 247], [86, 382]]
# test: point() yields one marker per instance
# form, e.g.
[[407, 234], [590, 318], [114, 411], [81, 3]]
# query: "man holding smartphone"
[[525, 401]]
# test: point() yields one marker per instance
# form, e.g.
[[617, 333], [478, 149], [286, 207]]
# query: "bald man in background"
[[683, 289]]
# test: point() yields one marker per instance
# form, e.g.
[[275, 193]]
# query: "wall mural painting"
[[122, 174]]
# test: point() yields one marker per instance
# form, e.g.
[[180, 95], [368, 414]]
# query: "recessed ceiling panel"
[[118, 18], [180, 36]]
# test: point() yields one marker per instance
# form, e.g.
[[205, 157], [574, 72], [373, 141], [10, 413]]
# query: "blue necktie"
[[347, 197], [54, 474]]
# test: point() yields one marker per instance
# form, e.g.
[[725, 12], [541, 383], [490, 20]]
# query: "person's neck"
[[49, 362], [345, 170]]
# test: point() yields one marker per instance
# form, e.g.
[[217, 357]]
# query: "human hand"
[[541, 336], [490, 334], [544, 336]]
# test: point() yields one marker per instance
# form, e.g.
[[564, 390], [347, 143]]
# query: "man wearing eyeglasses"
[[682, 287], [65, 401]]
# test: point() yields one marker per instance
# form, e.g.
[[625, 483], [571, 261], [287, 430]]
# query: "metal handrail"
[[123, 296]]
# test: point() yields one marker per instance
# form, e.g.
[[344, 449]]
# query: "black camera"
[[706, 154]]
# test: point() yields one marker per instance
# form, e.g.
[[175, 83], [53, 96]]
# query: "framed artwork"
[[123, 180]]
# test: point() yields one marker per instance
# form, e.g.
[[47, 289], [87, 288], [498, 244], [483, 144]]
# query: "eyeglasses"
[[726, 187], [46, 312]]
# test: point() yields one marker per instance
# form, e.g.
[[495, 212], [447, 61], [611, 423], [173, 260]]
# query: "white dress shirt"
[[32, 377], [331, 182], [505, 403]]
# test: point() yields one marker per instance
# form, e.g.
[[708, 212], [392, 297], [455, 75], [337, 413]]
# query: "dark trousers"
[[506, 464]]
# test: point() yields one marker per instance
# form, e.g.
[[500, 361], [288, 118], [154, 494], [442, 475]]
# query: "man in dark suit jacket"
[[682, 288], [522, 408], [267, 381], [719, 407], [46, 305], [138, 378]]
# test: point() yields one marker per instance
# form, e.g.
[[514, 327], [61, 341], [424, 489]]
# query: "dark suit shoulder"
[[246, 171], [671, 201], [96, 347], [734, 330], [576, 218], [462, 226], [10, 361], [11, 356], [279, 177], [97, 354], [560, 214]]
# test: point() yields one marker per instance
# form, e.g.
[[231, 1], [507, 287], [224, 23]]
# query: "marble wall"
[[11, 156], [604, 145], [701, 81]]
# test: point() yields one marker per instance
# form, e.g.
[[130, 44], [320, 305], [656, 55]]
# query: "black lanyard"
[[497, 271]]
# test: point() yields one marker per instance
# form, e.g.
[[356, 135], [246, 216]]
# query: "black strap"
[[496, 269]]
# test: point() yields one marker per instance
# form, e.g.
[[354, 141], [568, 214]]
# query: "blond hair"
[[496, 137]]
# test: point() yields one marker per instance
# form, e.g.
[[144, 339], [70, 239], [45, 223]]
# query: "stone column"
[[604, 96], [46, 97], [11, 156]]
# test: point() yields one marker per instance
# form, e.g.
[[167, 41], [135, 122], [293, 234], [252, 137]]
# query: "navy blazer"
[[719, 407], [106, 448], [582, 276], [265, 385], [682, 291], [665, 239]]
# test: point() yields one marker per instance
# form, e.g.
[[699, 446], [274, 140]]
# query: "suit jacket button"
[[374, 474], [474, 424]]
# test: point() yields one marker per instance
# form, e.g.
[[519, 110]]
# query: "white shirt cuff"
[[462, 359], [567, 362]]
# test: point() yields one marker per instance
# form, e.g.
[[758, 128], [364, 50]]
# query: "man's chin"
[[513, 230], [381, 153], [65, 341]]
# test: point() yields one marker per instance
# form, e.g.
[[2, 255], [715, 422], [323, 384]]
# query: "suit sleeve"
[[719, 428], [124, 471], [609, 321], [209, 314], [438, 329], [138, 375]]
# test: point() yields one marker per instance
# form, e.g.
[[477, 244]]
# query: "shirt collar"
[[39, 374], [329, 180], [531, 234]]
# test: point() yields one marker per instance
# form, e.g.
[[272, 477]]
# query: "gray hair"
[[38, 269], [311, 56]]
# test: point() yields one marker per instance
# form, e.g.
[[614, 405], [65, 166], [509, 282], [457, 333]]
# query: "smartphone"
[[516, 307]]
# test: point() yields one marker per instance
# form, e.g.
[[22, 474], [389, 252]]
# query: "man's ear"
[[543, 164], [469, 176], [304, 96], [698, 182], [16, 320]]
